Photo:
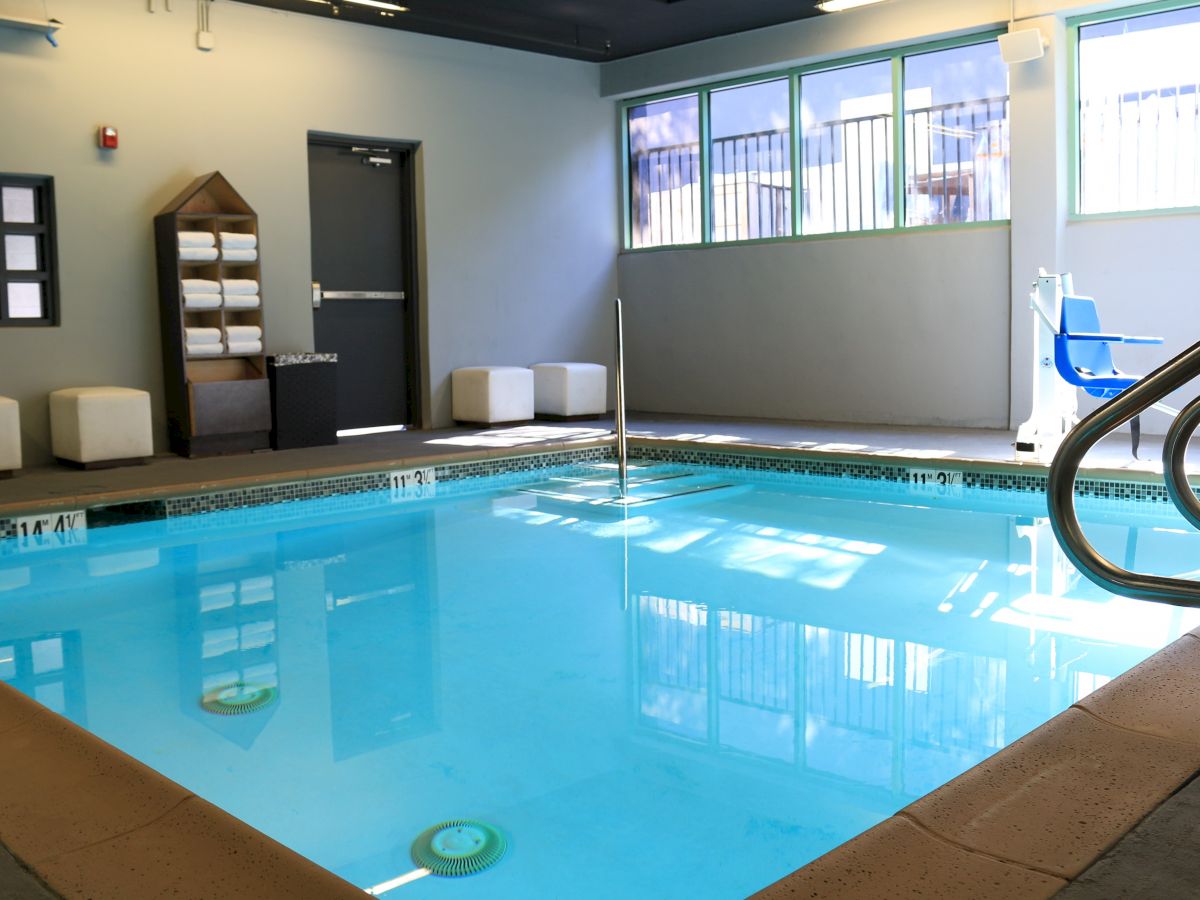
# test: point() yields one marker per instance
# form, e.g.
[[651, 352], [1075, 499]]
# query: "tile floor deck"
[[166, 474]]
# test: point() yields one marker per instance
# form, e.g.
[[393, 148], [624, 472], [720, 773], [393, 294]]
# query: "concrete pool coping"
[[89, 821]]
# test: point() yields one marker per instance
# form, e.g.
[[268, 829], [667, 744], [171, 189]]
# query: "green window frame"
[[896, 56], [1074, 98]]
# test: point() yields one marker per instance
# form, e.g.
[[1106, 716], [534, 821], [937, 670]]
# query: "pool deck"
[[59, 487], [1086, 802]]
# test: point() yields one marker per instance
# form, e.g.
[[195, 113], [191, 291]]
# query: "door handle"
[[316, 295]]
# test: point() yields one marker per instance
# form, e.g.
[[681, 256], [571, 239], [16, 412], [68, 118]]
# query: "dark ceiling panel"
[[595, 30]]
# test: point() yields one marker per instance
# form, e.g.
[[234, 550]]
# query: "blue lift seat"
[[1083, 354]]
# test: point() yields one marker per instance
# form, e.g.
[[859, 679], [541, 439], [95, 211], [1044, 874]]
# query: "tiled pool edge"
[[164, 503], [1110, 484], [115, 508]]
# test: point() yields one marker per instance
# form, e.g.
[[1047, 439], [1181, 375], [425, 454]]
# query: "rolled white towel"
[[246, 348], [196, 239], [205, 349], [239, 286], [201, 286], [201, 301], [203, 336], [258, 595], [236, 240], [238, 255], [216, 596], [213, 602], [238, 333], [241, 301], [198, 254]]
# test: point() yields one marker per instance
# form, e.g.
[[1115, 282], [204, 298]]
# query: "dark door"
[[361, 206]]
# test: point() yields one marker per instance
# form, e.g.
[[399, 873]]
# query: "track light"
[[832, 6], [380, 4]]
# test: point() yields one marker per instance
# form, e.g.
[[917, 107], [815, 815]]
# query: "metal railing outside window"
[[752, 186], [665, 191], [957, 162], [1140, 150], [846, 175], [1137, 114]]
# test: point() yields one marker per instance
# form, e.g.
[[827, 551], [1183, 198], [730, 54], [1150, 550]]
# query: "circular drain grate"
[[459, 847], [238, 698]]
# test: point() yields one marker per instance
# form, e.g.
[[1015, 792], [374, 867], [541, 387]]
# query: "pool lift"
[[1069, 352], [622, 485]]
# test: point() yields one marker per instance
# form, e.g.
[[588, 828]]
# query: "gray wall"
[[905, 329], [517, 157]]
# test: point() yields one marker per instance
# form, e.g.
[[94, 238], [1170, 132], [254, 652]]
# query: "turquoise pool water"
[[691, 702]]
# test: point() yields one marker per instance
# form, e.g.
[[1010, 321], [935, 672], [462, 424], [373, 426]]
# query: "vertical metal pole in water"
[[622, 450]]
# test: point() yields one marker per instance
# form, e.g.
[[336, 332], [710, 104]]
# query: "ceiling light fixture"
[[831, 6], [380, 4]]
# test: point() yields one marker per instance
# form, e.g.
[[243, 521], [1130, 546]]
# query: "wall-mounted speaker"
[[1021, 46]]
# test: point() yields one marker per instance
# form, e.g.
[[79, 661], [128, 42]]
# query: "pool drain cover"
[[459, 847], [238, 698]]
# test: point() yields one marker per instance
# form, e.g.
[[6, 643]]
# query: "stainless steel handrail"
[[1060, 488], [1174, 456], [622, 449]]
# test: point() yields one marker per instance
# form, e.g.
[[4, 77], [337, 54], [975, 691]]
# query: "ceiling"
[[595, 30]]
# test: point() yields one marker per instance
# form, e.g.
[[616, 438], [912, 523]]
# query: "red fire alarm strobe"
[[107, 137]]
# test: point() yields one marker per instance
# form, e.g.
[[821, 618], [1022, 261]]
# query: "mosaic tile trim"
[[835, 468], [516, 468], [127, 513], [238, 498]]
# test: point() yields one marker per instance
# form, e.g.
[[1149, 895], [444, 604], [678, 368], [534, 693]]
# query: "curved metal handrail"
[[1060, 488], [1174, 456]]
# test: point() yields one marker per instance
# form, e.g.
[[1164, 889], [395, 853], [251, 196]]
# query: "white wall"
[[518, 159], [1143, 274], [919, 328]]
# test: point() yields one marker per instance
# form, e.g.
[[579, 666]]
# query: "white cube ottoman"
[[492, 394], [10, 436], [97, 427], [570, 390]]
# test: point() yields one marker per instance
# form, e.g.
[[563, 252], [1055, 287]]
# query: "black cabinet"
[[303, 399]]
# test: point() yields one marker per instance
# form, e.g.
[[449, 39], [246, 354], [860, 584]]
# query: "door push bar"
[[319, 295]]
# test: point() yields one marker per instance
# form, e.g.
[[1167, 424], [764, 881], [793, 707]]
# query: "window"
[[956, 136], [1139, 117], [28, 280], [664, 172], [830, 148], [751, 156], [847, 149]]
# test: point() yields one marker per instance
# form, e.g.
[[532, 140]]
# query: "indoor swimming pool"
[[686, 698]]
